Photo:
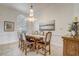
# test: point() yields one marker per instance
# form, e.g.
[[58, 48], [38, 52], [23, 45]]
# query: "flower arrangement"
[[72, 29]]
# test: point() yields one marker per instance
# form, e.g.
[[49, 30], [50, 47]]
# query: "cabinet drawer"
[[71, 46], [71, 50]]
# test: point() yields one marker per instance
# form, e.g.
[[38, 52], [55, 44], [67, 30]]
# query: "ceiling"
[[39, 8], [24, 7]]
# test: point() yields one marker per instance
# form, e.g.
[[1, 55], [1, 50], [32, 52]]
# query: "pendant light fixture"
[[31, 17]]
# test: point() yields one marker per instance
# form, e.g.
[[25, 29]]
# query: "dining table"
[[35, 37]]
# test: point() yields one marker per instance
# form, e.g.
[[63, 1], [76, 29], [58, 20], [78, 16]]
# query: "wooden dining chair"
[[45, 43], [41, 33], [18, 35], [28, 45], [31, 40], [36, 32], [21, 41]]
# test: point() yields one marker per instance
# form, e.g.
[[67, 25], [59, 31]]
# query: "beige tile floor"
[[12, 49]]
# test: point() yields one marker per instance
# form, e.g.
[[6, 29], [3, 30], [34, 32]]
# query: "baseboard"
[[9, 42]]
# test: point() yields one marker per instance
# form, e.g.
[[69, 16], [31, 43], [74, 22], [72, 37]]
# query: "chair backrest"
[[42, 33], [36, 32], [45, 32], [23, 36], [19, 35], [48, 37]]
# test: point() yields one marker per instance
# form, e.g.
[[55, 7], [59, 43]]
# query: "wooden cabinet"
[[70, 46]]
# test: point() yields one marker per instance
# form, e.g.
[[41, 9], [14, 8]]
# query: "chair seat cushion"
[[30, 40], [43, 43], [28, 43]]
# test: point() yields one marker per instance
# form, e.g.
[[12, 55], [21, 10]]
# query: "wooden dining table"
[[34, 37]]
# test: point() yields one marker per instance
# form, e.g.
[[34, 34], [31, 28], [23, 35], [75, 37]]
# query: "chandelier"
[[31, 17]]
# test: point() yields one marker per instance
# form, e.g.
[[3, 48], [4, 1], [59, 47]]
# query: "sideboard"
[[70, 46]]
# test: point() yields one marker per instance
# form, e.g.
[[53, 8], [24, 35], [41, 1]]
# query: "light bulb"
[[31, 12]]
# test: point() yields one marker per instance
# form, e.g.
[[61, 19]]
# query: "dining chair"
[[20, 40], [42, 33], [44, 44], [18, 35], [36, 32], [28, 45]]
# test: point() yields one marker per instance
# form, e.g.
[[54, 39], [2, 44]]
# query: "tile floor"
[[12, 49]]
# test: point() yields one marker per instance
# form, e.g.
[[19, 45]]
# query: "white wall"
[[21, 23], [76, 9], [7, 14], [62, 14]]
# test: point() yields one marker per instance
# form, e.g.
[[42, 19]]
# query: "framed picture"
[[47, 26], [8, 26]]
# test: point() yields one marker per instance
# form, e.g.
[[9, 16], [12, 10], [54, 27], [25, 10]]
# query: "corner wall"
[[7, 14]]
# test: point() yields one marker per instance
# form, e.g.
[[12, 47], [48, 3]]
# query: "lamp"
[[75, 22], [75, 19], [31, 17]]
